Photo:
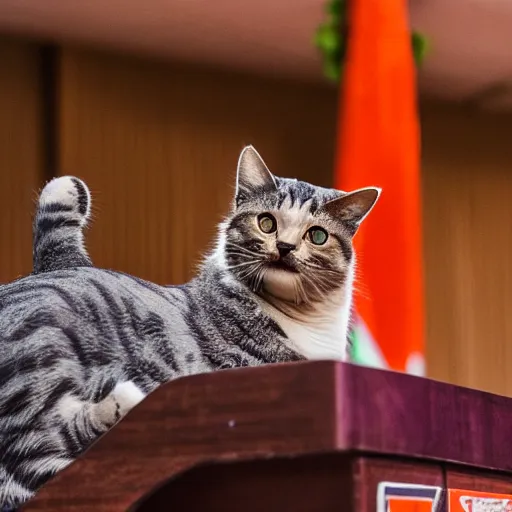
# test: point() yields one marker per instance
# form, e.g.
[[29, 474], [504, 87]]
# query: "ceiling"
[[471, 55], [471, 40]]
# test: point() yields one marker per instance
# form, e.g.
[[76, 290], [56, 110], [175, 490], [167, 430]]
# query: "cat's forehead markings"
[[295, 206], [293, 219]]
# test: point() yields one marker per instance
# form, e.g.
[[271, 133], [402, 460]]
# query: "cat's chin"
[[282, 285]]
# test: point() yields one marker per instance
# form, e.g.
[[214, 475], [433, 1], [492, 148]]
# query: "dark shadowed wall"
[[21, 157]]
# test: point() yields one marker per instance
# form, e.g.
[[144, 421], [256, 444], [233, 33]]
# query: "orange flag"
[[379, 146]]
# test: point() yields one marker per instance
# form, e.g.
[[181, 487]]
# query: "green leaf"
[[330, 40], [336, 8], [327, 39], [332, 70], [419, 47]]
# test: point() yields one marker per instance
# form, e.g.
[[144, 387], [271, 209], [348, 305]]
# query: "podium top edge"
[[357, 408]]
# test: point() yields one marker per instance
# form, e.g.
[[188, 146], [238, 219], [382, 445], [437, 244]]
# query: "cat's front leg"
[[121, 400], [86, 420]]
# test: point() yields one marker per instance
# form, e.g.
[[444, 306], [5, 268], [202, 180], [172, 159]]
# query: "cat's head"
[[288, 240]]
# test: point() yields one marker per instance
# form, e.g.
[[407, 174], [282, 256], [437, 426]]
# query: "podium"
[[313, 436]]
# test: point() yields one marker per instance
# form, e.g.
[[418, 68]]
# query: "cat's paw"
[[127, 395], [121, 400]]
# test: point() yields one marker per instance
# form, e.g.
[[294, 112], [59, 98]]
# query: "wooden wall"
[[158, 145], [467, 169], [20, 153]]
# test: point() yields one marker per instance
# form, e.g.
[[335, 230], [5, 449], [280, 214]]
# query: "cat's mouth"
[[282, 265]]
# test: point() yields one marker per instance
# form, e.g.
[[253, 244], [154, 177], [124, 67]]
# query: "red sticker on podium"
[[398, 497], [472, 501]]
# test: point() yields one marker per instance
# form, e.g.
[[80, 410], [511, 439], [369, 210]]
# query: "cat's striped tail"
[[62, 213]]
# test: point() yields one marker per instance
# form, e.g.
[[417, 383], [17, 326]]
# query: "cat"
[[81, 346]]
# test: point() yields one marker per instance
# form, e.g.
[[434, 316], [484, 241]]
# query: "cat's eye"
[[317, 235], [267, 223]]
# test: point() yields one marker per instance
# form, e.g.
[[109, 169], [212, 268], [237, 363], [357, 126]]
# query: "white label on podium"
[[401, 497]]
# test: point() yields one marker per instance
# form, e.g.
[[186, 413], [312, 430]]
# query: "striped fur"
[[62, 212], [81, 346]]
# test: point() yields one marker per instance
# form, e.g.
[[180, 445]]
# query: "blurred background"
[[151, 103]]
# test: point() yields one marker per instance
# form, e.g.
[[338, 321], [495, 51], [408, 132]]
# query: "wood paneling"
[[311, 483], [481, 481], [158, 145], [467, 169], [20, 154]]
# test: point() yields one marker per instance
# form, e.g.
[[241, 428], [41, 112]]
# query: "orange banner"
[[471, 501], [379, 145]]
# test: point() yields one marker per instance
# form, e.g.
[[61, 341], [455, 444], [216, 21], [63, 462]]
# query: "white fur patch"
[[321, 339], [63, 190], [127, 395], [123, 398]]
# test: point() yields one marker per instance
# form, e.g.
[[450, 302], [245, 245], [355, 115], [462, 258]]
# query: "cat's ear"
[[352, 208], [252, 174]]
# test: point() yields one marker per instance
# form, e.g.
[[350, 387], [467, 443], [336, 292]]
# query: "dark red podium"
[[318, 436]]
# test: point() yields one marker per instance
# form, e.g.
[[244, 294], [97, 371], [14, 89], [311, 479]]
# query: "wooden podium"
[[316, 436]]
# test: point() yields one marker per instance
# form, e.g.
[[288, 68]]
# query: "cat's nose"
[[285, 248]]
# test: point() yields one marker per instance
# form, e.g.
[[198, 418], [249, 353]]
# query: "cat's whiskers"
[[322, 269], [242, 249], [301, 295], [361, 292], [247, 272], [261, 275], [254, 276], [243, 264], [314, 285], [243, 255]]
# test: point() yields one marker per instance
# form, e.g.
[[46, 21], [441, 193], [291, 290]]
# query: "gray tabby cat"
[[81, 346]]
